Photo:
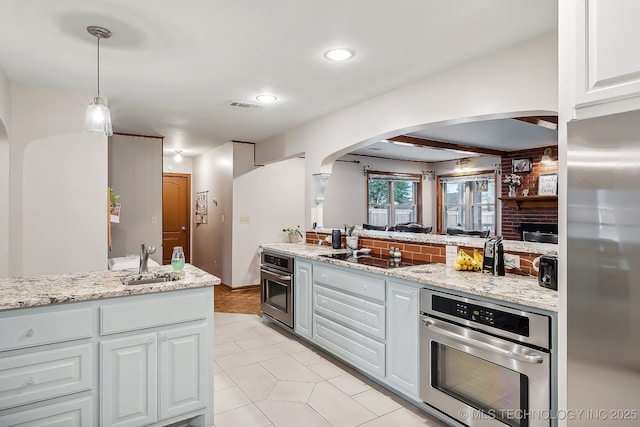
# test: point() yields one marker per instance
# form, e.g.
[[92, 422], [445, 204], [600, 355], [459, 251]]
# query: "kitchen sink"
[[145, 279]]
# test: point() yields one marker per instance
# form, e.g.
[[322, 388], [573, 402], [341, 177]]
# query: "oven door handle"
[[529, 358], [277, 276]]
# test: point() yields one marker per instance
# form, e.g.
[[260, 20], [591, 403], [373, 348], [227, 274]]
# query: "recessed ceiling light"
[[340, 54], [267, 99]]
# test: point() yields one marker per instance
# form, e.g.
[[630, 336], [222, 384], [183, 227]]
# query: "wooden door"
[[176, 212]]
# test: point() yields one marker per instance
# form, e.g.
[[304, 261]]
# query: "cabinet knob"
[[31, 381], [150, 341], [163, 338], [30, 332]]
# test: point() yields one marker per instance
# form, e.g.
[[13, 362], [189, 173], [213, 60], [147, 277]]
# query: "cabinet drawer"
[[357, 313], [29, 330], [37, 376], [355, 283], [76, 413], [148, 312], [363, 352]]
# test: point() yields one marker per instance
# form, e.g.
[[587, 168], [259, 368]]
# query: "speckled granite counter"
[[21, 292], [513, 288], [441, 239]]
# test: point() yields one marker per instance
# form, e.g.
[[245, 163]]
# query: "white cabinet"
[[74, 413], [349, 317], [45, 354], [302, 297], [607, 58], [361, 351], [183, 362], [402, 340], [154, 376]]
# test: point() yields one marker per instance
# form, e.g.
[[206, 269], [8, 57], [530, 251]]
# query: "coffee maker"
[[493, 262]]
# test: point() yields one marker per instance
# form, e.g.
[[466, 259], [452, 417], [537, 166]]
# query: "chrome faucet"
[[144, 257]]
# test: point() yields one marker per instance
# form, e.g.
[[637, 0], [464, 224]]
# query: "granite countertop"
[[512, 288], [442, 239], [22, 292]]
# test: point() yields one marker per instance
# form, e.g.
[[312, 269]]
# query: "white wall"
[[272, 198], [169, 165], [135, 174], [518, 80], [213, 172], [4, 202], [58, 185], [5, 119]]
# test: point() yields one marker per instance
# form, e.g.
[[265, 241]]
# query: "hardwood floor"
[[245, 300]]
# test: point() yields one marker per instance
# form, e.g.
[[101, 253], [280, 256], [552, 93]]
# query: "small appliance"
[[336, 239], [548, 272], [493, 262]]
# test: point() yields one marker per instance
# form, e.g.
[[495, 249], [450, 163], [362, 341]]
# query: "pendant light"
[[98, 116]]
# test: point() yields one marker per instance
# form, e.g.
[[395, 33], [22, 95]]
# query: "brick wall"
[[511, 216], [421, 251]]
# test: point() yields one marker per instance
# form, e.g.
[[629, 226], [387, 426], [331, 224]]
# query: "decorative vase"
[[512, 191], [294, 238]]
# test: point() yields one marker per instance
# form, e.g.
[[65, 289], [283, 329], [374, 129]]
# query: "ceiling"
[[500, 134], [172, 68]]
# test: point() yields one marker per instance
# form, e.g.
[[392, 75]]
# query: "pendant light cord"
[[98, 65]]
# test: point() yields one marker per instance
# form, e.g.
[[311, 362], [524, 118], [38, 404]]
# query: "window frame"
[[397, 176], [468, 205]]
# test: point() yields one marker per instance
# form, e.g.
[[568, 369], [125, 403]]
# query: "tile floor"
[[265, 377]]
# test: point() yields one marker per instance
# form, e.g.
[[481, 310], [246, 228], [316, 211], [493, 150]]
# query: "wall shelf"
[[531, 202]]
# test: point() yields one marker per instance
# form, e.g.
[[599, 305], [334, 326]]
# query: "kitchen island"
[[85, 349], [375, 318]]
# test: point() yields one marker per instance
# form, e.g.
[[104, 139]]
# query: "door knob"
[[184, 228]]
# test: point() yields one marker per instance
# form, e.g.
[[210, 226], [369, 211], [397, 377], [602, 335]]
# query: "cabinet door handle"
[[150, 341], [30, 333]]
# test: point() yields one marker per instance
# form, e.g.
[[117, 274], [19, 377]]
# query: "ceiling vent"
[[248, 105]]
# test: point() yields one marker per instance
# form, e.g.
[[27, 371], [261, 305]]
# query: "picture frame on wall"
[[548, 184], [521, 165]]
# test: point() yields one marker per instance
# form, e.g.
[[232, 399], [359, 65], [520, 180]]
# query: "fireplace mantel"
[[531, 202]]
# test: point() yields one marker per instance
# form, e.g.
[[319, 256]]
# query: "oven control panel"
[[482, 315]]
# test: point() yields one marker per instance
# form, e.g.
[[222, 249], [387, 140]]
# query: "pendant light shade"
[[98, 116]]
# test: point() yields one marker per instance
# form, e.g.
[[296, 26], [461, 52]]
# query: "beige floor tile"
[[255, 381], [228, 399], [291, 346], [338, 408], [349, 384], [308, 357], [380, 401], [261, 341], [248, 357], [222, 381], [406, 418], [326, 369], [288, 369], [291, 391], [224, 349], [245, 416], [291, 414]]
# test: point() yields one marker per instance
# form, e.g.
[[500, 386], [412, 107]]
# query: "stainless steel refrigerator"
[[603, 248]]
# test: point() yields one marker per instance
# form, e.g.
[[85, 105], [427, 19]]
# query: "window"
[[393, 198], [467, 202]]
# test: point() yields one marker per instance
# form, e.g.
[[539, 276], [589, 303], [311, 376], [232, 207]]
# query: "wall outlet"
[[215, 263], [511, 260]]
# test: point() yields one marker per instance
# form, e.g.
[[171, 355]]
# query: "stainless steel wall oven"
[[482, 364], [276, 277]]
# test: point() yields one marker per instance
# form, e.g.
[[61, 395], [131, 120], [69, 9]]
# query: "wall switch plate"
[[244, 220], [511, 260], [451, 253]]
